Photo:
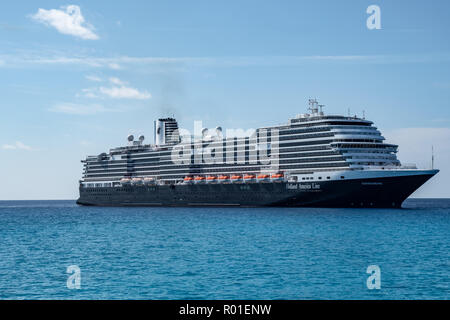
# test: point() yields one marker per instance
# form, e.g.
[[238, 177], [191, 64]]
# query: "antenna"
[[313, 106], [348, 112], [364, 114], [432, 157]]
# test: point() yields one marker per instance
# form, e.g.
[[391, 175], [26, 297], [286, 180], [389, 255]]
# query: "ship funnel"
[[166, 131]]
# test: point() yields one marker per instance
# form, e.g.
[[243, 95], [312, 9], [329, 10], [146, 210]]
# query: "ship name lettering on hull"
[[303, 186]]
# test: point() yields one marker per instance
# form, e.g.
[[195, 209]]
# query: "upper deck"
[[307, 143]]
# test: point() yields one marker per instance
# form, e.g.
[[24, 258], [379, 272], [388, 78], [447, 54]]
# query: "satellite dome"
[[130, 137], [141, 138], [219, 132]]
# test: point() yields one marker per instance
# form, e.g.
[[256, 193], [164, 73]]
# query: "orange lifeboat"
[[263, 177], [277, 177], [249, 178], [224, 179], [199, 179], [236, 178], [188, 179], [211, 179]]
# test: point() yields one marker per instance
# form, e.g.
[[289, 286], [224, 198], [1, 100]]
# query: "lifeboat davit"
[[125, 181], [277, 177], [188, 180], [137, 181], [224, 179], [236, 178], [199, 179], [211, 179], [149, 181], [249, 178], [263, 177]]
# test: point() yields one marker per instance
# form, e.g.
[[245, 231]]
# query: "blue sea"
[[224, 253]]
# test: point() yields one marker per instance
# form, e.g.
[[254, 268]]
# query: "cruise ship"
[[313, 160]]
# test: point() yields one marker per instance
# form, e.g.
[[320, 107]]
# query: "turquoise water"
[[223, 253]]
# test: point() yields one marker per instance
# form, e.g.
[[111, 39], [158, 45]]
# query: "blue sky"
[[78, 82]]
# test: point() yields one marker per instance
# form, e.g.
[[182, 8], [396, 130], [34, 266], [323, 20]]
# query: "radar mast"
[[315, 107]]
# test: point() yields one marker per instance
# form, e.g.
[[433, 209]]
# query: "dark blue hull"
[[385, 192]]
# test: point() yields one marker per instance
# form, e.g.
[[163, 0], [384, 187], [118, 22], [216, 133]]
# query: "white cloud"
[[16, 146], [123, 92], [183, 63], [68, 20], [89, 93], [80, 109], [116, 81], [118, 90], [114, 66], [94, 78]]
